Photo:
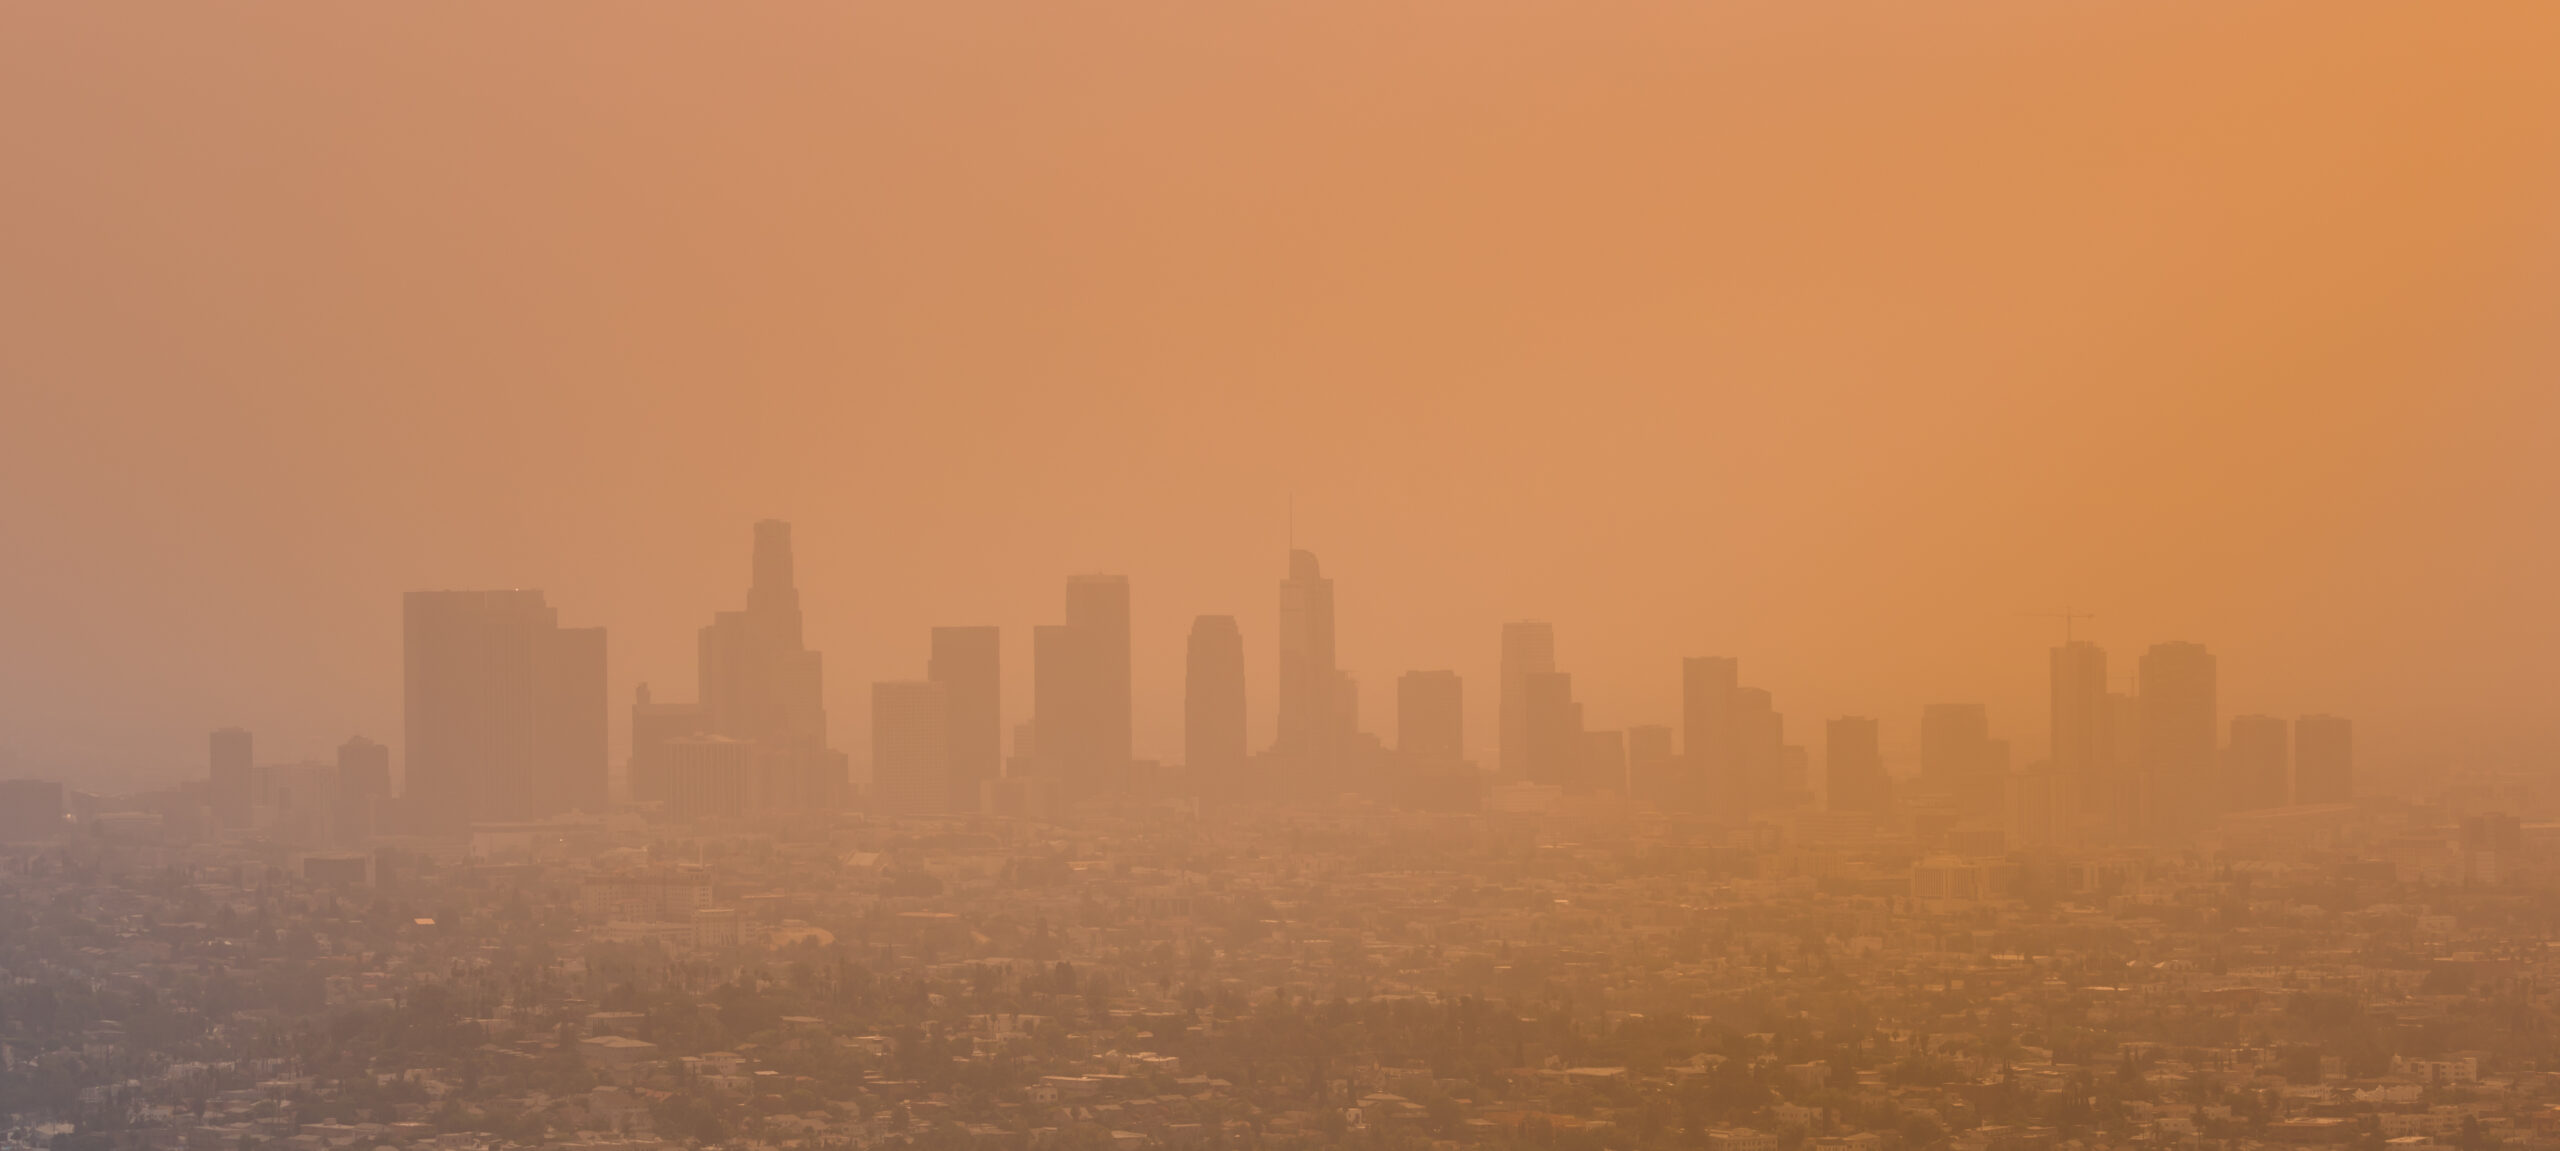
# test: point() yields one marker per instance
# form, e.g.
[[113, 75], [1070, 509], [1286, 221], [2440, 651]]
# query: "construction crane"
[[2066, 615]]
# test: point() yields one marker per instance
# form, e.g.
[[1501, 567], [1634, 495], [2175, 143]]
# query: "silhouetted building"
[[1759, 754], [2259, 763], [1431, 717], [1554, 729], [1066, 732], [30, 809], [1310, 713], [234, 778], [1603, 762], [1653, 764], [650, 773], [1098, 606], [1213, 734], [910, 748], [505, 712], [364, 782], [1708, 737], [715, 776], [1854, 778], [2179, 732], [759, 681], [2084, 777], [966, 662], [2323, 759], [1528, 649], [1959, 759]]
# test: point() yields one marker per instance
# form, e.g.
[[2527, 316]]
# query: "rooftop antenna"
[[2066, 615]]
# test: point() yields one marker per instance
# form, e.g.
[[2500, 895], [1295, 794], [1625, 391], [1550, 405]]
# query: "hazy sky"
[[1830, 336]]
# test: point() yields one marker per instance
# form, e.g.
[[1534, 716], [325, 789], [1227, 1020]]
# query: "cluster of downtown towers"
[[506, 716]]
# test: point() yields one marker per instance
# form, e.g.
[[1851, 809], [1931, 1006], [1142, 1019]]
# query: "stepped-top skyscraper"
[[759, 679], [1310, 681], [505, 709]]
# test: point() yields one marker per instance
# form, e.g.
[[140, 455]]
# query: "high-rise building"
[[1853, 766], [650, 771], [1528, 648], [1431, 717], [1959, 759], [2180, 729], [1653, 764], [910, 748], [2081, 768], [1603, 762], [234, 778], [364, 781], [504, 707], [1709, 740], [759, 680], [1213, 740], [965, 662], [1554, 729], [1066, 735], [2259, 763], [1310, 681], [2323, 760], [30, 809], [1098, 606], [1759, 754]]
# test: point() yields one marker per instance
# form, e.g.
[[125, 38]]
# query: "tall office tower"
[[1553, 725], [1853, 766], [1431, 717], [1759, 751], [232, 790], [505, 713], [30, 809], [1098, 605], [1066, 737], [910, 748], [965, 662], [1213, 744], [2323, 760], [364, 781], [759, 680], [1653, 768], [650, 772], [2080, 758], [1602, 764], [2259, 764], [2179, 733], [1707, 684], [1528, 649], [1310, 686]]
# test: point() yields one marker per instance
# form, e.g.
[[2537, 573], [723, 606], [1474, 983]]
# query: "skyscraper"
[[2259, 763], [1853, 766], [759, 679], [966, 662], [1213, 741], [1554, 729], [364, 781], [1310, 730], [2323, 760], [2179, 732], [1707, 684], [1431, 717], [233, 781], [504, 708], [1759, 754], [1066, 736], [1098, 606], [654, 726], [2080, 760], [1528, 648], [910, 748]]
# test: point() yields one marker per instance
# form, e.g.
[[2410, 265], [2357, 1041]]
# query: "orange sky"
[[1829, 336]]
